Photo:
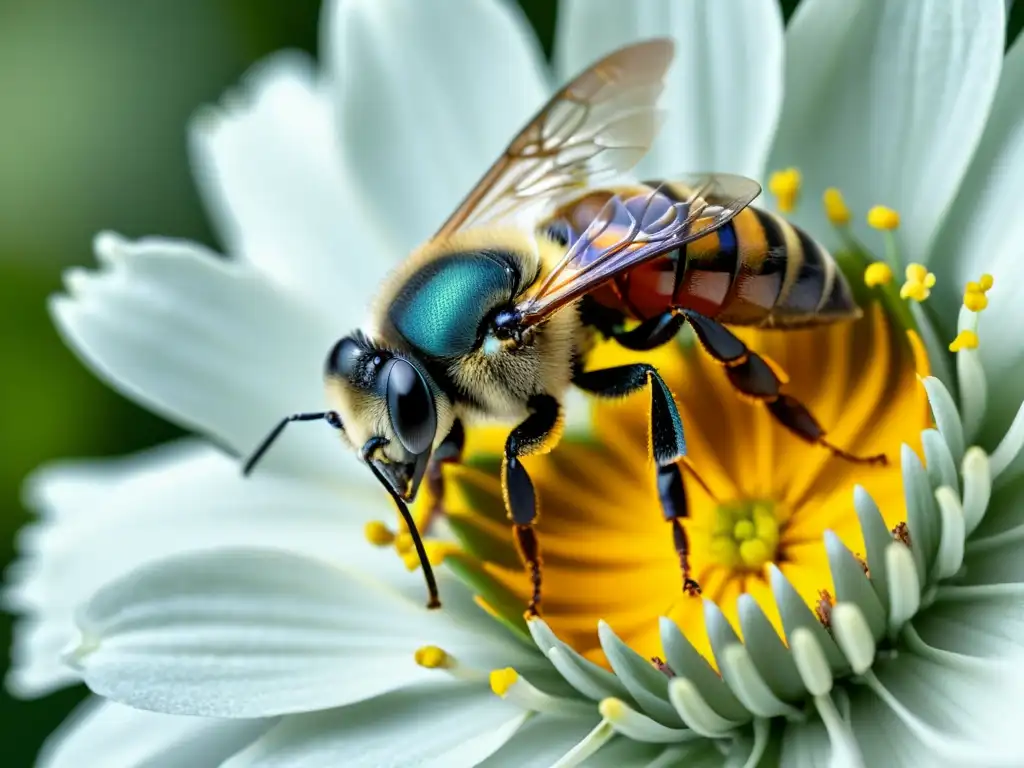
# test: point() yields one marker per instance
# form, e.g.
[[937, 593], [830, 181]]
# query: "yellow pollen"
[[835, 207], [877, 273], [919, 283], [403, 543], [502, 680], [975, 298], [745, 535], [880, 217], [785, 185], [964, 340], [378, 534], [437, 551], [432, 657]]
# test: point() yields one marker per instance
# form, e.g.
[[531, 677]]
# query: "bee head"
[[388, 407]]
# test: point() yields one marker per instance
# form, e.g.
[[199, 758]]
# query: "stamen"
[[785, 185], [877, 273], [592, 742], [883, 218], [964, 340], [378, 534], [433, 657], [919, 283], [507, 684], [437, 551], [835, 207], [638, 727]]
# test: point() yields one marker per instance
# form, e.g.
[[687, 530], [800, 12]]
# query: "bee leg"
[[531, 436], [448, 452], [651, 333], [668, 444], [755, 378]]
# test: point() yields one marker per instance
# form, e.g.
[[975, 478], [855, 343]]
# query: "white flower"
[[182, 589]]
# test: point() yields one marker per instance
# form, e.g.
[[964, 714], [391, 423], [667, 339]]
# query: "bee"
[[494, 316]]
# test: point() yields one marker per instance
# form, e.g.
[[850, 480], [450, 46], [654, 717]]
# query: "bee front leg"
[[448, 452], [668, 444], [531, 436]]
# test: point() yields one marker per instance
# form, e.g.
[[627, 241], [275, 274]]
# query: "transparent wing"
[[619, 234], [599, 125]]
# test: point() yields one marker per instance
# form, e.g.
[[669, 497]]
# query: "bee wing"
[[597, 126], [625, 233]]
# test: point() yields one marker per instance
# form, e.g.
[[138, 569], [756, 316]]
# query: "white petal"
[[429, 94], [253, 633], [448, 724], [887, 101], [724, 92], [212, 345], [101, 733], [959, 715], [269, 167], [984, 232], [989, 627], [541, 742], [180, 498]]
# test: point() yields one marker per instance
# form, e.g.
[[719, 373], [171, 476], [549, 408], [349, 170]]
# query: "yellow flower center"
[[745, 535], [607, 551]]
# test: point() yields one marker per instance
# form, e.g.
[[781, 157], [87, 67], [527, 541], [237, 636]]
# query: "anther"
[[507, 684], [975, 298], [919, 283], [883, 218], [502, 680], [437, 551], [835, 207], [964, 340], [378, 534], [785, 185], [432, 657], [877, 273]]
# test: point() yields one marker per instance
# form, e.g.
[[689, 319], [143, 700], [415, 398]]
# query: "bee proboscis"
[[494, 315]]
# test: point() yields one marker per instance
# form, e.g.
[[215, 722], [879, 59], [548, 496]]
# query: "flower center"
[[745, 535]]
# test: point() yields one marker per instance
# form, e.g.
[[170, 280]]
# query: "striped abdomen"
[[757, 269]]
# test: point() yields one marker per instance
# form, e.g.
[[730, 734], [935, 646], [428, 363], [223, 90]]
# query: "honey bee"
[[494, 316]]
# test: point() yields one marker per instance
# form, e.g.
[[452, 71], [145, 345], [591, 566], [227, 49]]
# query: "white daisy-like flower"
[[258, 627]]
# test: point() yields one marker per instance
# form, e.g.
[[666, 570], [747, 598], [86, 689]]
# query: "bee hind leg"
[[531, 436], [756, 378], [669, 444]]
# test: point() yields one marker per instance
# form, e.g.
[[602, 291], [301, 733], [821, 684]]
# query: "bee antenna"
[[367, 452], [331, 417]]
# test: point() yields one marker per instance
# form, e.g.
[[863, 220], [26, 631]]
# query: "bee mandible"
[[494, 316]]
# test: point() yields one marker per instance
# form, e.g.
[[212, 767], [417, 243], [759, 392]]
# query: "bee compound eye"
[[410, 406]]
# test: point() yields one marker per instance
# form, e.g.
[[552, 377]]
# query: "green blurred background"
[[94, 99]]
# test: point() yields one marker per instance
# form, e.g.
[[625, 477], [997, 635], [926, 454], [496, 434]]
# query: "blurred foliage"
[[96, 97]]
